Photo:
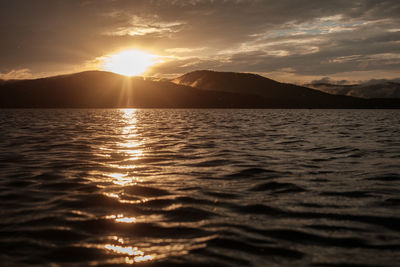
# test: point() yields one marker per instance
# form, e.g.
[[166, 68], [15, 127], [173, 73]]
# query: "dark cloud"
[[307, 37]]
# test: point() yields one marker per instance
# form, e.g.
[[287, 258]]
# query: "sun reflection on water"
[[122, 179], [122, 157], [126, 220], [121, 163], [125, 152], [133, 254], [121, 218], [138, 255], [128, 250]]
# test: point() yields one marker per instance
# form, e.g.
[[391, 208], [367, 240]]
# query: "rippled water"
[[200, 187]]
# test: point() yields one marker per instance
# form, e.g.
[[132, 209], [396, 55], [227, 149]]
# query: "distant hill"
[[98, 89], [282, 94], [385, 89], [244, 82]]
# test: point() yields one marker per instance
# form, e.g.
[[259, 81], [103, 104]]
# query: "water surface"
[[200, 187]]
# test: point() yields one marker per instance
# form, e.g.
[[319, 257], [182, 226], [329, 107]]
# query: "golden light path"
[[130, 250], [130, 62], [129, 149]]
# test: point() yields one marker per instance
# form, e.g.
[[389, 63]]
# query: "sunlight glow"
[[130, 62]]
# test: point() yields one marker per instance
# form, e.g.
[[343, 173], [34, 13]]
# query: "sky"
[[287, 40]]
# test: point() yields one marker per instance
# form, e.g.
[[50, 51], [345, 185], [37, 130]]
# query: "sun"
[[130, 62]]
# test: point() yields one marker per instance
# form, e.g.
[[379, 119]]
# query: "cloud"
[[140, 26], [16, 74], [327, 80], [380, 81]]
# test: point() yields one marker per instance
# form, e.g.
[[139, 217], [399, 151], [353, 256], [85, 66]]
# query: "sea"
[[199, 187]]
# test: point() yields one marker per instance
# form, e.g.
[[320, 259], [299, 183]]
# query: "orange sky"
[[294, 41]]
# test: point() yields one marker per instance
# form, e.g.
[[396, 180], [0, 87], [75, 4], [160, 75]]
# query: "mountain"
[[99, 89], [278, 94], [386, 89], [243, 82]]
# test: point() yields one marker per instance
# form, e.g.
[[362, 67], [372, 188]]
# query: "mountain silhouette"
[[200, 89], [99, 89], [276, 94], [243, 82]]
